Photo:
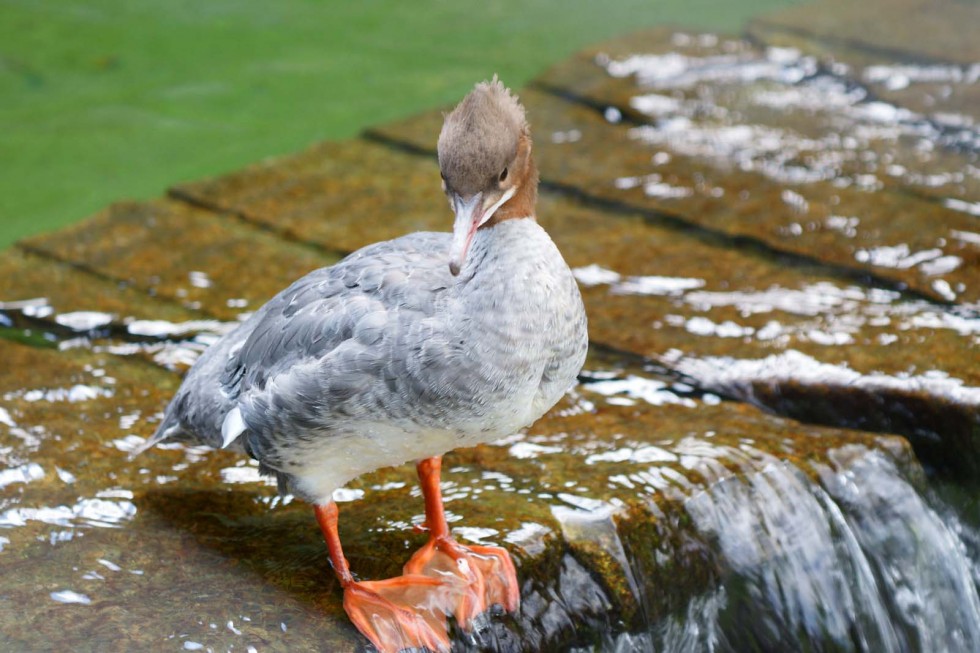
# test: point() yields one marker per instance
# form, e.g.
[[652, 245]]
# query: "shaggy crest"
[[480, 137]]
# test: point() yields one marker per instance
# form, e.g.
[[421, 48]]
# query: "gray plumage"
[[386, 357]]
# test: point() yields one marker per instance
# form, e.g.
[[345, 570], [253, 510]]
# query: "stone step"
[[697, 161], [341, 196], [52, 286], [925, 31], [207, 262], [593, 494], [687, 294]]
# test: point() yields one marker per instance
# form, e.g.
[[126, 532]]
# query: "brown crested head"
[[479, 138], [485, 160]]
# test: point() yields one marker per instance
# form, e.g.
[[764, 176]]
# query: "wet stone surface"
[[774, 440], [764, 146], [184, 255]]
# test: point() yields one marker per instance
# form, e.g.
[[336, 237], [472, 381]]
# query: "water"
[[844, 556], [850, 559], [749, 549], [856, 562]]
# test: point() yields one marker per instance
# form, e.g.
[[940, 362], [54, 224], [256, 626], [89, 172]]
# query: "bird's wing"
[[324, 340]]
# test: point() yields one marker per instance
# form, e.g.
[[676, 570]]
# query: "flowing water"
[[844, 556]]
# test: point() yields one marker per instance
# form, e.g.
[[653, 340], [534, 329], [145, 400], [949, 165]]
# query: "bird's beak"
[[470, 215]]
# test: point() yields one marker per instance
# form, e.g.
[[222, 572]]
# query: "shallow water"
[[839, 548]]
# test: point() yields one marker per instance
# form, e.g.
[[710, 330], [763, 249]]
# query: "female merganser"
[[402, 351]]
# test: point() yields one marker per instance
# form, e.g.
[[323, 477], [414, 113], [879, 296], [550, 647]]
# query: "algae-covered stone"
[[187, 255], [141, 551], [339, 195], [927, 31], [68, 289]]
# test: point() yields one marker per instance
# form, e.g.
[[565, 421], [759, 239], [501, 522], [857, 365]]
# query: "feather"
[[232, 427]]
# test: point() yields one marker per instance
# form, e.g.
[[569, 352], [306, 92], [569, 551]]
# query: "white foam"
[[644, 454], [736, 376], [83, 320], [129, 444], [702, 326], [652, 391], [476, 535], [70, 596], [666, 191], [897, 77], [655, 104], [199, 279], [74, 394], [108, 564], [23, 474], [526, 450], [656, 285], [973, 208], [90, 512], [346, 495], [899, 257], [966, 236], [594, 275], [160, 328]]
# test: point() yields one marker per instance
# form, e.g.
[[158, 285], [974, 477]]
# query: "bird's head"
[[488, 173]]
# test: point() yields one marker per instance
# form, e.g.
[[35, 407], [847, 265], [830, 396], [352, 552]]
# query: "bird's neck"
[[506, 252], [521, 205]]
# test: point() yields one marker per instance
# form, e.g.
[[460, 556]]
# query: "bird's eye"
[[503, 175]]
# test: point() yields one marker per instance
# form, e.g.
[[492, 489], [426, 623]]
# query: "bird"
[[403, 351]]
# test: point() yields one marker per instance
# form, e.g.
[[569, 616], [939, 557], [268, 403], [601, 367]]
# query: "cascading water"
[[853, 560]]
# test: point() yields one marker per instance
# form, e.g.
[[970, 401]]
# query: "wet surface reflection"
[[683, 465]]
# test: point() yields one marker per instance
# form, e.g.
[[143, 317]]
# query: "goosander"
[[404, 350]]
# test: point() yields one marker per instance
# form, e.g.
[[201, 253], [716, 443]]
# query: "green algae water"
[[113, 99]]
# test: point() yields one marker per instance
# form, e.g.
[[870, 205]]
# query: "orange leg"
[[395, 614], [485, 575]]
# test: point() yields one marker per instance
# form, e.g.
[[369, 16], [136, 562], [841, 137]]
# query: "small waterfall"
[[846, 552], [851, 559]]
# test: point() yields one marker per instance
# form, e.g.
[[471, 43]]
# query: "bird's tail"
[[167, 429]]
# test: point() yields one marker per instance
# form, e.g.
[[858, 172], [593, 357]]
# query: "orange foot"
[[483, 576], [407, 612], [442, 578]]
